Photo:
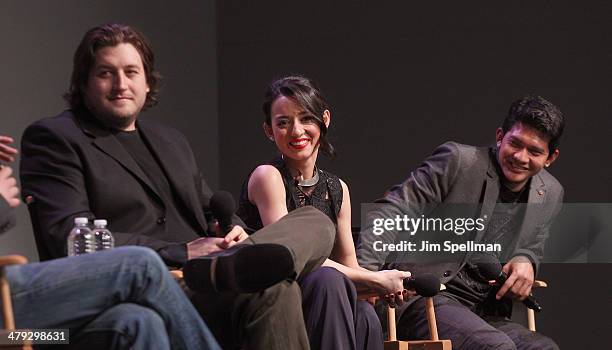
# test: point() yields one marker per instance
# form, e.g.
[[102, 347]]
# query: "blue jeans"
[[121, 298]]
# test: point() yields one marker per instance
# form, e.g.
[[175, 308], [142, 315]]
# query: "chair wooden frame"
[[531, 324], [435, 343], [7, 304]]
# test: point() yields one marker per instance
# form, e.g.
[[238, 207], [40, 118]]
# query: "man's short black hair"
[[540, 114]]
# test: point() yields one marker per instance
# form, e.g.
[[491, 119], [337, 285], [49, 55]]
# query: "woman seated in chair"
[[297, 118]]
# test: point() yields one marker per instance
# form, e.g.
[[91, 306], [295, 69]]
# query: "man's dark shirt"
[[175, 221], [467, 286]]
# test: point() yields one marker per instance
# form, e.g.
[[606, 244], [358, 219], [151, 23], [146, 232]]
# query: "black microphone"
[[490, 269], [426, 284], [223, 206]]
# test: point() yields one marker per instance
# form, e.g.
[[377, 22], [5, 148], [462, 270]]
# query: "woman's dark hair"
[[304, 92], [538, 113], [110, 34]]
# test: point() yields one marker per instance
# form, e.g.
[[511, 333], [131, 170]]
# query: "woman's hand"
[[398, 299], [235, 236], [390, 281]]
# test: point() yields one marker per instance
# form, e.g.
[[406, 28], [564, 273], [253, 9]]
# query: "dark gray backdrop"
[[405, 76]]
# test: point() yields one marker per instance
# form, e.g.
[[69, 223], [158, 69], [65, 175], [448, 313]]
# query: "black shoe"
[[242, 268]]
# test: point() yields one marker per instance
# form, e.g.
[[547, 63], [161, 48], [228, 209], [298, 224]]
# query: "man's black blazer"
[[73, 166]]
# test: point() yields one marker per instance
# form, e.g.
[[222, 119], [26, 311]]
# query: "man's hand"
[[520, 278], [204, 246], [7, 152], [208, 245], [8, 187]]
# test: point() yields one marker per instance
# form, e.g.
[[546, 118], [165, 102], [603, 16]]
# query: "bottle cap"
[[100, 222], [81, 220]]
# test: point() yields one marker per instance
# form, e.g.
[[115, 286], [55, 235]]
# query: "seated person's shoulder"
[[64, 119], [265, 174], [343, 184], [466, 155], [550, 181], [63, 124], [459, 149], [265, 185]]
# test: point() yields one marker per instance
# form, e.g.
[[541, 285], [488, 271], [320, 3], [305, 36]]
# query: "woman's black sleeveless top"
[[326, 196]]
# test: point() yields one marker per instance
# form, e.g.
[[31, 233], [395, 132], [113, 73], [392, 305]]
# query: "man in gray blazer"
[[514, 198]]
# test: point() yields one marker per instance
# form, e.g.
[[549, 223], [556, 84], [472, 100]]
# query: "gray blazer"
[[456, 174]]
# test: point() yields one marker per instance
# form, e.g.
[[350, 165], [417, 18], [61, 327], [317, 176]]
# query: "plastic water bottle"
[[80, 239], [104, 238]]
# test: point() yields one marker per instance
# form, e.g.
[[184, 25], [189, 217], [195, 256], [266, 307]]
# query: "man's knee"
[[127, 324], [137, 317], [321, 224], [545, 343], [456, 322], [474, 333], [133, 254], [548, 344], [536, 341], [134, 251], [521, 336], [493, 339], [128, 320], [136, 255]]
